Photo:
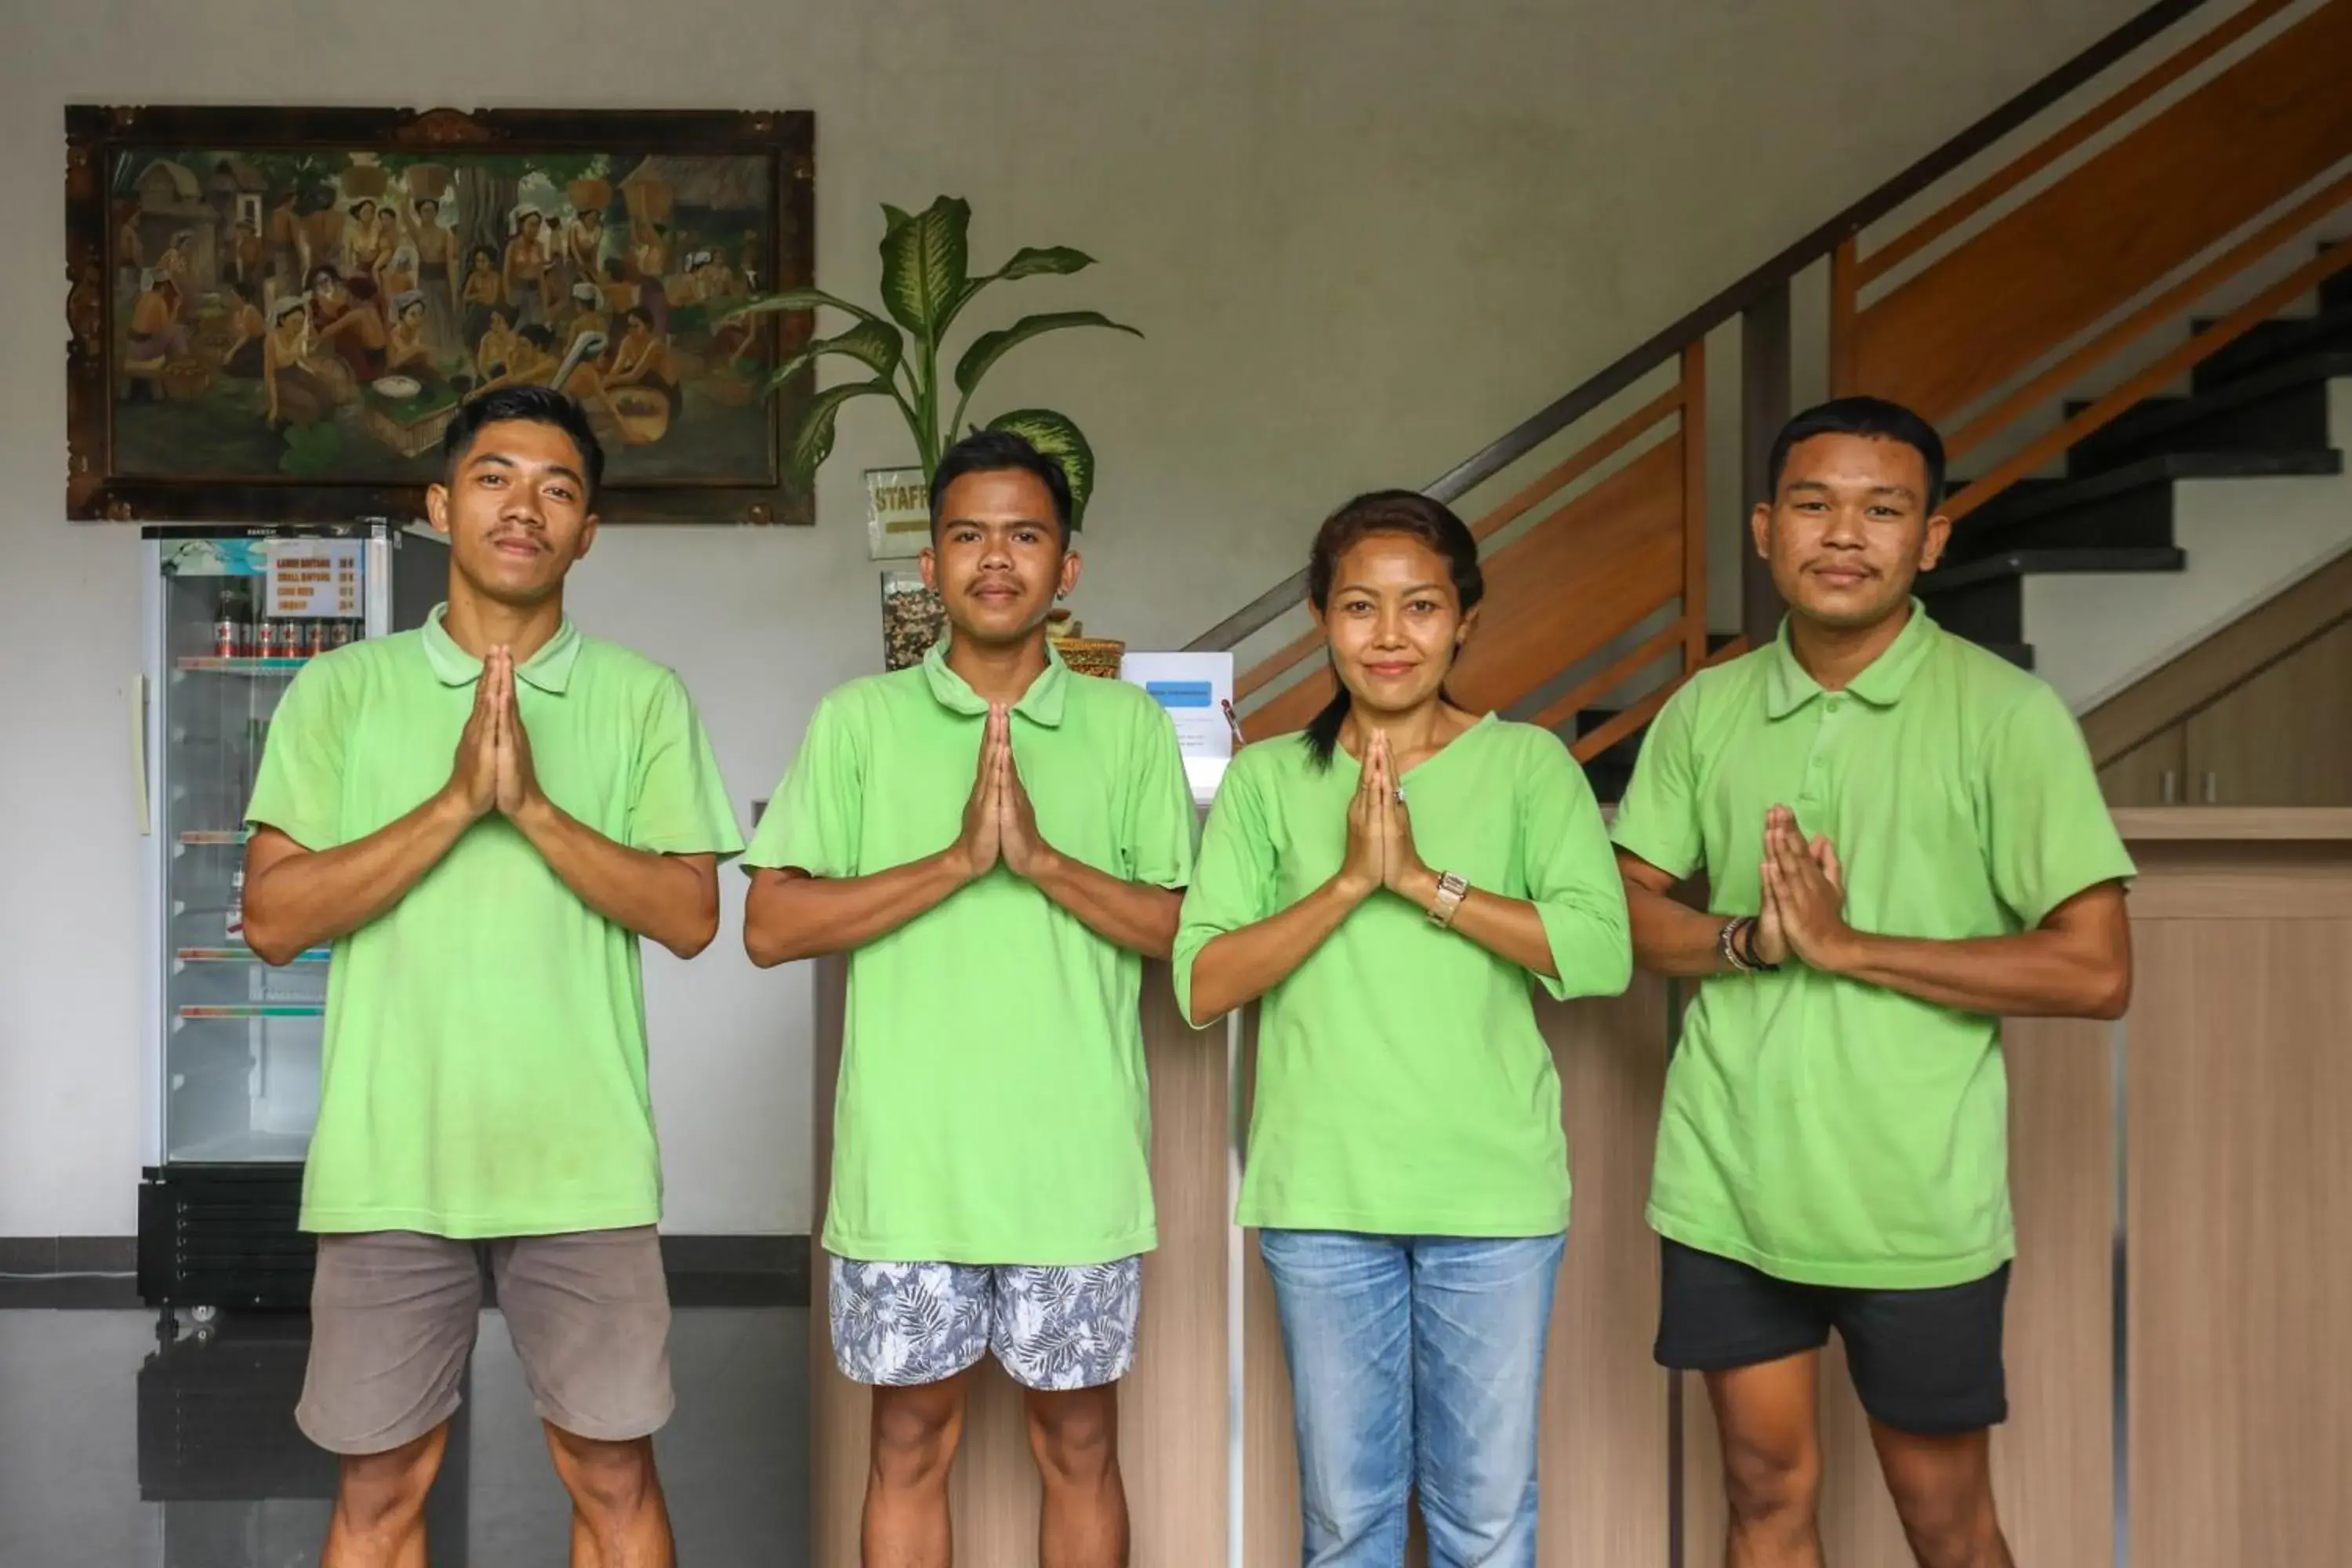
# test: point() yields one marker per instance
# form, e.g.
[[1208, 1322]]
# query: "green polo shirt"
[[485, 1067], [1822, 1130], [993, 1106], [1403, 1088]]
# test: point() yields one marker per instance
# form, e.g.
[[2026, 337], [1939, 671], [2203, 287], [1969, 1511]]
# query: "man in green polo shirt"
[[484, 816], [1903, 842], [995, 841]]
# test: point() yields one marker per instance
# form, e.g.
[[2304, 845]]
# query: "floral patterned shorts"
[[896, 1325]]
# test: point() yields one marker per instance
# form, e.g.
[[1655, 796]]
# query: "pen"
[[1233, 723]]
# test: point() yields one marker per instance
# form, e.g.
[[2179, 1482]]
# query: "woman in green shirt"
[[1387, 881]]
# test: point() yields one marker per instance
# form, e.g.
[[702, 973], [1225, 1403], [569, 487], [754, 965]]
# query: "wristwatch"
[[1451, 888]]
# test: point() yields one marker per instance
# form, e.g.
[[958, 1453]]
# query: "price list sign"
[[314, 578]]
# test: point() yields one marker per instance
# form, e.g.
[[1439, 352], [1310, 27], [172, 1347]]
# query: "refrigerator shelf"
[[253, 1010], [215, 835], [241, 955], [207, 664]]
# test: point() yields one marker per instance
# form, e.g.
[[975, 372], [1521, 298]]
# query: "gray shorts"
[[898, 1325], [394, 1315]]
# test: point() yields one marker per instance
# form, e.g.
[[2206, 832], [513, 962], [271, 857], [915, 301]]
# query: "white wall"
[[1363, 236]]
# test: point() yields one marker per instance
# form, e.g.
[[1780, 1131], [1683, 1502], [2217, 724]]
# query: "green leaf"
[[1029, 261], [1046, 260], [925, 265], [877, 345], [799, 299], [989, 347], [811, 444], [1054, 435], [893, 217]]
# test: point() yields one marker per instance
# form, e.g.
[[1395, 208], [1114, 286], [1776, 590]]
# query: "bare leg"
[[378, 1517], [1771, 1460], [618, 1517], [1942, 1491], [1074, 1437], [915, 1434]]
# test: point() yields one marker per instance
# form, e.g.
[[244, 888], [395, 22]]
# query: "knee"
[[1948, 1528], [1771, 1490], [608, 1480], [386, 1491], [913, 1445], [1478, 1502], [1076, 1439]]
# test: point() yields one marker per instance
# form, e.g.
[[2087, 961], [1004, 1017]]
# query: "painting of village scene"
[[318, 315]]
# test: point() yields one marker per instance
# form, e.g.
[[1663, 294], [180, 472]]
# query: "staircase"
[[2259, 409], [2164, 199]]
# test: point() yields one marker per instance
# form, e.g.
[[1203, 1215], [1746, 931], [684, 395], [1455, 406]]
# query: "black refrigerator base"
[[214, 1238]]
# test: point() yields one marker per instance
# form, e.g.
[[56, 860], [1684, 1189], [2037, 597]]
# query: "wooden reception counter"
[[2183, 1187]]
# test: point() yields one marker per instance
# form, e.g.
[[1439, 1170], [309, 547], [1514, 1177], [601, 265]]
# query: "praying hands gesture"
[[999, 821], [1381, 850], [492, 770], [1804, 896]]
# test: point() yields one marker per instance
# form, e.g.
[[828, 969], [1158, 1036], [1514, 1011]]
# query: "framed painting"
[[276, 312]]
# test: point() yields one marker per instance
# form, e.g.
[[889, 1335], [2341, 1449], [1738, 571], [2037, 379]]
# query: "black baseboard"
[[709, 1270], [737, 1270]]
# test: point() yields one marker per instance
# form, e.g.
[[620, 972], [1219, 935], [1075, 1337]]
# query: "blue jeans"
[[1416, 1362]]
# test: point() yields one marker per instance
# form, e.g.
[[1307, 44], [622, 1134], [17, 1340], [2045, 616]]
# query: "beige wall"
[[1363, 236]]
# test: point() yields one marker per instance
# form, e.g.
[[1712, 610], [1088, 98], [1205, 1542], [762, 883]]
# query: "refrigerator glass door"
[[241, 1049]]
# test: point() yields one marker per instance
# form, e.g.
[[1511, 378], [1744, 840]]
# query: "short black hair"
[[1875, 417], [532, 405], [996, 452]]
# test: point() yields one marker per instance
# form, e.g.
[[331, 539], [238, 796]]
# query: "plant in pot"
[[926, 281]]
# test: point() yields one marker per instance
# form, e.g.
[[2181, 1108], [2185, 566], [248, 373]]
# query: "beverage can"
[[225, 624], [317, 642], [346, 633], [265, 640]]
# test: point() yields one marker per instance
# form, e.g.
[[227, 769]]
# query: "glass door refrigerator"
[[231, 616]]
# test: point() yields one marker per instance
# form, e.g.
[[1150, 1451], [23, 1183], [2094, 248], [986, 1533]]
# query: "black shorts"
[[1924, 1361]]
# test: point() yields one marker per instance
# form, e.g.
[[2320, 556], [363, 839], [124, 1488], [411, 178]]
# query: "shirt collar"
[[550, 668], [1881, 684], [1041, 704]]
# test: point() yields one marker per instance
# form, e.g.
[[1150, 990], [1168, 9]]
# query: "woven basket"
[[1092, 656]]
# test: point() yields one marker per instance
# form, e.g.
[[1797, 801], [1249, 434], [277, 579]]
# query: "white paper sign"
[[314, 578], [1197, 690], [897, 513]]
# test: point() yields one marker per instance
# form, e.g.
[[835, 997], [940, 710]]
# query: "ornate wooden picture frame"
[[275, 313]]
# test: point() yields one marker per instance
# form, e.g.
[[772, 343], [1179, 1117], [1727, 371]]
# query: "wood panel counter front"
[[2181, 1188]]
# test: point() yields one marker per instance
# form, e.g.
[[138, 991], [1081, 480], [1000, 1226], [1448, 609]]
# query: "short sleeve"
[[1157, 834], [680, 805], [815, 821], [2049, 833], [299, 790], [1233, 880], [1571, 875], [1658, 820]]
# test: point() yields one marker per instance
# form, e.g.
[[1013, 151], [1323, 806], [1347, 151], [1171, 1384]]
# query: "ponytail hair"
[[1408, 514]]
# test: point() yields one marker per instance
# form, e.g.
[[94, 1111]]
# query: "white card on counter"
[[1197, 690]]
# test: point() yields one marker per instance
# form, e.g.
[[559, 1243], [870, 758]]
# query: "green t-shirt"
[[1403, 1088], [1822, 1130], [993, 1106], [485, 1068]]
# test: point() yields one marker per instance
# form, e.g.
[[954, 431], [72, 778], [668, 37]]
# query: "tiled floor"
[[117, 1452]]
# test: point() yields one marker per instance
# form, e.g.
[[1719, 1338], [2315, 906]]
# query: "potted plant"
[[926, 281]]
